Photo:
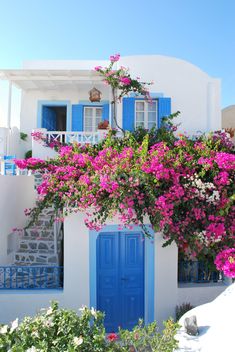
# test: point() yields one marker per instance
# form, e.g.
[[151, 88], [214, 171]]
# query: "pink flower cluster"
[[30, 163], [114, 58], [38, 136], [225, 261]]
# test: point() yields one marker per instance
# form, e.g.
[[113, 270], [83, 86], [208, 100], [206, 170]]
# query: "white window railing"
[[71, 137]]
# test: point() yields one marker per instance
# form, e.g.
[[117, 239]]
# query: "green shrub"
[[60, 330], [56, 330], [182, 309], [148, 338]]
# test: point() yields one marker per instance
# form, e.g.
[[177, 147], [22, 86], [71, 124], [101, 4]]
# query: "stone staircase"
[[41, 243], [38, 260]]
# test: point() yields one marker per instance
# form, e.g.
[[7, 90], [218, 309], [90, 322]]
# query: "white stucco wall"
[[166, 282], [16, 194], [197, 294]]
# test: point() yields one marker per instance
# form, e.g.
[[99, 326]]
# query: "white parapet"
[[4, 135]]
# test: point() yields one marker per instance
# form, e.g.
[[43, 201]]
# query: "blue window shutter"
[[128, 114], [164, 109], [105, 112], [77, 117]]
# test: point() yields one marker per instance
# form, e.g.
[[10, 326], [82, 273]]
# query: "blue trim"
[[148, 270], [66, 103], [89, 103], [152, 95]]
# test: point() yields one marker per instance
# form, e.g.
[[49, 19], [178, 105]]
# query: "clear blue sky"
[[199, 31]]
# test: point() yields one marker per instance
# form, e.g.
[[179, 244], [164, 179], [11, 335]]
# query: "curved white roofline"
[[90, 64], [170, 58]]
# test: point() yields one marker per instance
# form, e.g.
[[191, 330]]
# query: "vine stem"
[[114, 112]]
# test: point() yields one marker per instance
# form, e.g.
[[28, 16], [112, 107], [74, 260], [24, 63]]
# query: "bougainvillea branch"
[[121, 83]]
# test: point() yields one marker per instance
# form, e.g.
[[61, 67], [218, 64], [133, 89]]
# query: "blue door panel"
[[49, 118], [120, 278], [132, 312], [132, 270], [107, 278]]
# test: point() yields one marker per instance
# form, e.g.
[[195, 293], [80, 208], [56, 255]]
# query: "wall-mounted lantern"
[[95, 95]]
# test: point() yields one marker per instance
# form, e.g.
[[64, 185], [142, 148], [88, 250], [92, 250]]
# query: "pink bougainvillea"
[[225, 261], [184, 187]]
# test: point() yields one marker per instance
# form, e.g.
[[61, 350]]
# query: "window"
[[145, 114], [92, 117]]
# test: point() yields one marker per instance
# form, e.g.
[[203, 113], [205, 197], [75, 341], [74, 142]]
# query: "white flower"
[[49, 311], [93, 312], [48, 322], [4, 329], [31, 349], [77, 340], [35, 334], [14, 325], [82, 309]]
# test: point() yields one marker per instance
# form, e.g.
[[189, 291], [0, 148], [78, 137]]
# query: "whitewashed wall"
[[197, 294], [166, 281], [16, 194], [4, 135]]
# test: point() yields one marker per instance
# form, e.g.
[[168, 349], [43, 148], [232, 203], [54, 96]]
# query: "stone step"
[[36, 257], [43, 222], [39, 233], [28, 244]]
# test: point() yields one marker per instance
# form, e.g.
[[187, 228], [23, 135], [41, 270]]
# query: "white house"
[[114, 270]]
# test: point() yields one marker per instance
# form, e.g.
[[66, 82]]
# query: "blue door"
[[120, 278], [49, 120]]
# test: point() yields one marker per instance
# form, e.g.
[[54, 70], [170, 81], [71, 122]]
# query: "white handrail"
[[70, 137]]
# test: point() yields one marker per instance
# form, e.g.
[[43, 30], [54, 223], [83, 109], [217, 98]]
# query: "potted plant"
[[103, 125], [102, 129]]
